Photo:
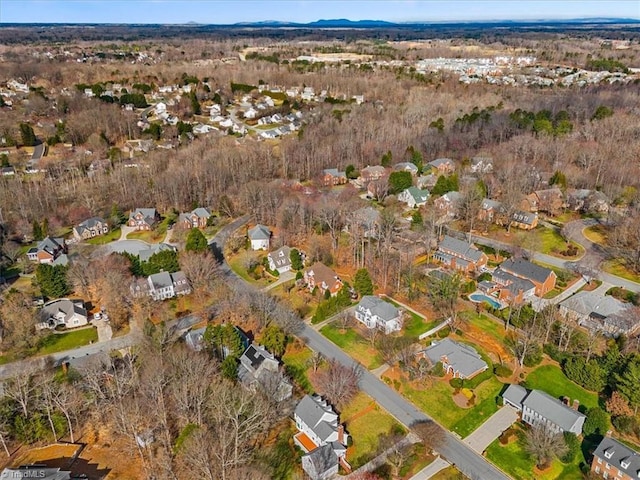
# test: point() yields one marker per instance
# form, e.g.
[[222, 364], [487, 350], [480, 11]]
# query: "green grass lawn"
[[354, 344], [104, 239], [305, 305], [296, 362], [596, 234], [514, 460], [151, 236], [550, 379], [53, 342], [414, 324], [237, 265], [549, 241], [486, 324], [437, 400], [368, 429], [618, 268], [449, 473]]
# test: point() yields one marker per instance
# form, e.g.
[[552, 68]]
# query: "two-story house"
[[460, 255], [260, 237], [143, 218], [260, 369], [448, 205], [62, 313], [197, 218], [91, 227], [161, 286], [319, 428], [543, 279], [374, 312], [414, 197], [538, 408], [280, 259], [615, 460], [49, 250], [372, 173], [442, 166], [600, 313], [322, 277], [332, 176], [406, 167]]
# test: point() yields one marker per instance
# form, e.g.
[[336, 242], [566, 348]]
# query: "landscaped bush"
[[628, 425], [444, 332], [534, 357], [573, 447], [484, 277], [456, 383], [437, 370], [478, 379], [502, 370]]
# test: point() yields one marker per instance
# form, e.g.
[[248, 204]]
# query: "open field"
[[354, 344]]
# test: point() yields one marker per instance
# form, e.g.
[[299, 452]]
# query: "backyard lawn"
[[354, 344], [549, 241], [367, 424], [414, 325], [437, 401], [550, 379], [514, 460], [54, 342], [107, 238], [489, 326]]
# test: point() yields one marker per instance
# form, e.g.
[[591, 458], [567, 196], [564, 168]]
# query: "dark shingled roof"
[[619, 455], [526, 269]]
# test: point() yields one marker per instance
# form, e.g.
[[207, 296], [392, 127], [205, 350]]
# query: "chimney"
[[341, 434], [566, 400], [576, 404]]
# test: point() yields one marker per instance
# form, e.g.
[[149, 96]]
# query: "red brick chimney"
[[576, 404], [341, 434]]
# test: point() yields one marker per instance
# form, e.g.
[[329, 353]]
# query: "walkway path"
[[381, 459], [432, 469], [283, 278]]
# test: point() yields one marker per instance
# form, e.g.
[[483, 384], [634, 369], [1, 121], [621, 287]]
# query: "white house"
[[280, 259], [259, 237], [62, 312], [374, 312], [161, 286], [414, 197]]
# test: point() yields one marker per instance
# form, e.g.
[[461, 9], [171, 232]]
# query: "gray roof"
[[311, 411], [461, 357], [161, 280], [464, 249], [619, 455], [194, 338], [586, 303], [145, 212], [64, 305], [259, 232], [91, 222], [524, 268], [180, 282], [420, 196], [524, 217], [323, 459], [40, 472], [514, 284], [406, 166], [368, 216], [441, 161], [51, 244], [515, 394], [281, 257], [334, 172], [379, 307], [488, 204], [552, 409]]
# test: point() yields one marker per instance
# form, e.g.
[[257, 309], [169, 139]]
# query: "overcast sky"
[[232, 11]]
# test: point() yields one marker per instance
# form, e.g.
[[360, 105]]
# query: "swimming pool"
[[481, 297]]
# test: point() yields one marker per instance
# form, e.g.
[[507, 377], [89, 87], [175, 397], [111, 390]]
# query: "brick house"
[[613, 459], [48, 250], [143, 218], [197, 218], [331, 177], [91, 227], [460, 255], [321, 276]]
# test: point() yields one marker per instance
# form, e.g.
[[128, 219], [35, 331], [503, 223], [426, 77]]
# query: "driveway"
[[486, 433], [283, 278], [432, 469], [130, 246]]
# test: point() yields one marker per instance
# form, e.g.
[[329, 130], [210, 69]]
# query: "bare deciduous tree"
[[339, 382]]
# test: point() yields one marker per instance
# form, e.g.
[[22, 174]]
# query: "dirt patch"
[[57, 455], [362, 412], [461, 400], [496, 350]]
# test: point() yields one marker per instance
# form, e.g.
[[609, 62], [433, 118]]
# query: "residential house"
[[378, 189], [587, 201], [318, 426], [260, 369], [458, 360], [414, 197], [600, 313], [321, 276], [426, 181], [194, 339], [544, 279], [406, 167], [331, 177], [441, 166], [460, 255], [524, 220], [490, 211], [374, 312], [366, 220], [197, 218], [448, 204], [41, 472], [143, 218], [62, 313], [541, 409], [260, 236], [321, 463], [161, 286], [91, 227], [280, 259], [49, 250], [8, 171], [371, 173], [615, 460], [550, 201], [145, 254], [481, 165]]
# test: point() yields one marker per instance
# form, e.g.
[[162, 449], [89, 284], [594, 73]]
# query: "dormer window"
[[624, 463], [608, 453]]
